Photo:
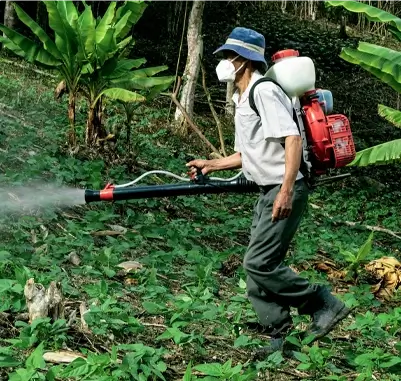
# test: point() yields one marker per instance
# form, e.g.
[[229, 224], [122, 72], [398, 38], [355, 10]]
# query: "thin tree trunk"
[[229, 99], [9, 15], [283, 6], [191, 72]]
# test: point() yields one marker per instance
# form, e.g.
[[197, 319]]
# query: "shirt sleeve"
[[236, 142], [275, 114]]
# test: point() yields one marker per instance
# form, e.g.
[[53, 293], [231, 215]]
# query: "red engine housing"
[[329, 138]]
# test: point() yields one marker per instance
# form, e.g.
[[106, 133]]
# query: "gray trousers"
[[272, 287]]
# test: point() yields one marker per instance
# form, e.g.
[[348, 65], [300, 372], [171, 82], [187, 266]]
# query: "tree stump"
[[42, 303]]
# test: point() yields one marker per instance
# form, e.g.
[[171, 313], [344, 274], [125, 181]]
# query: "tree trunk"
[[72, 138], [94, 127], [42, 303], [229, 99], [9, 15], [191, 72]]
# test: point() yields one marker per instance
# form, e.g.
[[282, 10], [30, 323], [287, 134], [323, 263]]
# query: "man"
[[272, 287]]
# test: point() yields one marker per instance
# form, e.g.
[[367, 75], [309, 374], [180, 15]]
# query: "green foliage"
[[392, 115], [386, 153], [89, 54], [355, 260], [372, 13], [383, 63], [179, 315]]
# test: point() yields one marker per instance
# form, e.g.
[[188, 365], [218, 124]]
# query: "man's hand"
[[282, 205], [204, 165], [207, 166]]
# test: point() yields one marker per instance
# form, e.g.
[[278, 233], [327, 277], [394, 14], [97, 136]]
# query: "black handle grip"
[[200, 177]]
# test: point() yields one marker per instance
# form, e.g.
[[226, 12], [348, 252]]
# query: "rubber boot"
[[326, 313], [276, 343]]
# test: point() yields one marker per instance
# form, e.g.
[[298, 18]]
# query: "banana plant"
[[384, 64], [144, 82], [122, 81], [81, 44]]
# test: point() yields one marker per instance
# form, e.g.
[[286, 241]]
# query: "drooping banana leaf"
[[156, 90], [32, 52], [48, 43], [144, 82], [390, 114], [115, 68], [372, 13], [383, 63], [147, 71], [124, 43], [10, 45], [386, 153], [121, 95]]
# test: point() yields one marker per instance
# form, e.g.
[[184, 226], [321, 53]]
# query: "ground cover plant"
[[153, 289], [182, 312]]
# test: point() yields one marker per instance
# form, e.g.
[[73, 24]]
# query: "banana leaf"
[[65, 36], [386, 153], [86, 25], [107, 47], [121, 95], [136, 8], [115, 68], [68, 11], [372, 13], [390, 114], [144, 82], [32, 52], [383, 63], [47, 42]]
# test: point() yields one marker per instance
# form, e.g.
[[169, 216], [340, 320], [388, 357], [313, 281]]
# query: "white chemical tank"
[[295, 74]]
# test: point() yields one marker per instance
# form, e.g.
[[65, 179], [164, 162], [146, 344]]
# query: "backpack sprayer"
[[327, 139]]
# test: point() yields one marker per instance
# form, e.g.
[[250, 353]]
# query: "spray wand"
[[197, 184]]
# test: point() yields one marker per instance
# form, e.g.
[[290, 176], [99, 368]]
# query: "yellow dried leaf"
[[388, 270]]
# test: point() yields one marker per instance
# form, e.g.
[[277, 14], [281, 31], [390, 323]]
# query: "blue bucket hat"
[[247, 43]]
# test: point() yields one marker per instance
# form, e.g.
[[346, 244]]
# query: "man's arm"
[[230, 162], [283, 203], [293, 153]]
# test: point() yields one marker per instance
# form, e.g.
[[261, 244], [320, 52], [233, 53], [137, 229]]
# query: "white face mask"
[[226, 70]]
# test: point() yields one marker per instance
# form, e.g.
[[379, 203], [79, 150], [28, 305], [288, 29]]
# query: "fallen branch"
[[212, 109], [356, 224], [374, 228], [190, 122], [84, 325]]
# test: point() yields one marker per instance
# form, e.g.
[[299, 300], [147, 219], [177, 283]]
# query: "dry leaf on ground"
[[388, 270]]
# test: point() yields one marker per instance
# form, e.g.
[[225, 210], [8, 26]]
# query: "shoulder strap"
[[252, 90], [303, 168]]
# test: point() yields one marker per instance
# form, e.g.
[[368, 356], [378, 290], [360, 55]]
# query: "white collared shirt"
[[259, 138]]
